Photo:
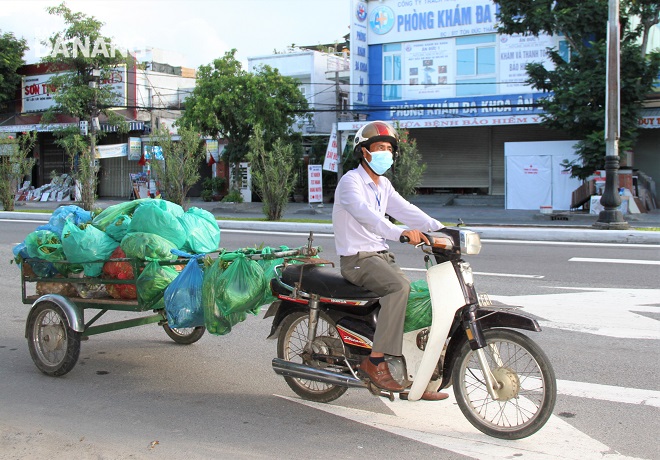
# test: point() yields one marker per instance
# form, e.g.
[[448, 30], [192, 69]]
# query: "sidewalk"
[[490, 222]]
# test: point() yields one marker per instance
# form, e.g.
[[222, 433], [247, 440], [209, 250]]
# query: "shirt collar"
[[364, 175]]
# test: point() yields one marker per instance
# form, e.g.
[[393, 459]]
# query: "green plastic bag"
[[202, 231], [418, 310], [149, 217], [45, 245], [118, 228], [268, 266], [152, 283], [147, 246], [240, 288], [82, 246], [215, 321], [111, 213]]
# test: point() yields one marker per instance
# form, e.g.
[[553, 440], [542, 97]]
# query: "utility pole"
[[611, 217], [340, 164]]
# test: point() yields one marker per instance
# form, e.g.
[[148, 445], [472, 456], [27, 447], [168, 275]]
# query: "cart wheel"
[[54, 346], [185, 336]]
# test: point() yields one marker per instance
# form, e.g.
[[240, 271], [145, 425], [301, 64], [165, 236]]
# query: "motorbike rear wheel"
[[528, 392], [290, 346]]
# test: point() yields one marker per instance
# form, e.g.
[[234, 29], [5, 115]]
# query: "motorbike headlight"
[[466, 272], [470, 242]]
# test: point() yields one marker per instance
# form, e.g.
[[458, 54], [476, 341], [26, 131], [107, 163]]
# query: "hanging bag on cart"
[[183, 297]]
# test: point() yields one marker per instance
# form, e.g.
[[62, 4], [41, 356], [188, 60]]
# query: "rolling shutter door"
[[454, 157]]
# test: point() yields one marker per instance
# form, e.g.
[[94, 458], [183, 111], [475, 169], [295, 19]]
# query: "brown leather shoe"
[[380, 375], [427, 396], [434, 396]]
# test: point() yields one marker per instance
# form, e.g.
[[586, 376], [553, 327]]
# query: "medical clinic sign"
[[37, 92]]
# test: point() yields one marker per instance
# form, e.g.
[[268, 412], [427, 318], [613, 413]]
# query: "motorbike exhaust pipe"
[[301, 371]]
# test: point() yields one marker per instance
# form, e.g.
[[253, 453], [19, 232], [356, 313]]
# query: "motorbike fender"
[[74, 314], [503, 318], [279, 310], [446, 298]]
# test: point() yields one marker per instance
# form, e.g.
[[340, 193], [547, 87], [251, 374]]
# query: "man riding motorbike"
[[362, 199]]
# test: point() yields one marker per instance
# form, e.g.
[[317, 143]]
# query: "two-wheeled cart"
[[56, 323]]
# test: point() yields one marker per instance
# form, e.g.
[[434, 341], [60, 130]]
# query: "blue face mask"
[[380, 162]]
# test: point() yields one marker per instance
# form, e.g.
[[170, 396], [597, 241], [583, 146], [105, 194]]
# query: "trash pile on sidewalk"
[[137, 251]]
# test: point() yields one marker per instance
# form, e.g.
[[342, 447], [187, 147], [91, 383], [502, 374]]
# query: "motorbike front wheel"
[[291, 344], [528, 387]]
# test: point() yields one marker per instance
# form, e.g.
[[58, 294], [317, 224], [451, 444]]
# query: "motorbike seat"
[[325, 281]]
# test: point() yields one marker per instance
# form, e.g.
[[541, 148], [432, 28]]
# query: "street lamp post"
[[611, 217]]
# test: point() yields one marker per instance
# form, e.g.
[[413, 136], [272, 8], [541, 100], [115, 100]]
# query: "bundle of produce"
[[145, 246], [120, 271], [215, 321], [152, 282]]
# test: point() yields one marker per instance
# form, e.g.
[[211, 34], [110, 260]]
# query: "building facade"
[[440, 70]]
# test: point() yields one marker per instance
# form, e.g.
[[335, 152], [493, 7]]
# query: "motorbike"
[[502, 380]]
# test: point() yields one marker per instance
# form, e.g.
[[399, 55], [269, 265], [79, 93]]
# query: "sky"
[[198, 30]]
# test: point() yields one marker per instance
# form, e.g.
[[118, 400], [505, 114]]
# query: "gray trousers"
[[379, 273]]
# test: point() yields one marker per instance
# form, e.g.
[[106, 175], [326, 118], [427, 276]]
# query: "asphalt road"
[[136, 394]]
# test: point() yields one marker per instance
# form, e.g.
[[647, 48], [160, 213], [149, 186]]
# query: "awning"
[[649, 118], [133, 126]]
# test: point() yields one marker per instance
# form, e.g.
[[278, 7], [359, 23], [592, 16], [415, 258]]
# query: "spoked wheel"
[[528, 387], [290, 345], [54, 346], [185, 336]]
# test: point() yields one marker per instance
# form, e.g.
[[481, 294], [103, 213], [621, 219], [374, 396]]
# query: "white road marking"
[[505, 275], [261, 232], [25, 221], [603, 311], [441, 424], [609, 393], [573, 243], [614, 261]]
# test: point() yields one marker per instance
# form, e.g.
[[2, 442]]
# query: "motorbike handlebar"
[[405, 239]]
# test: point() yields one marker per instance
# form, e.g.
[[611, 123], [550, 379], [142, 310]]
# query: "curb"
[[576, 235]]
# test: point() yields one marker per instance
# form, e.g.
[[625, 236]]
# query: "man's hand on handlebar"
[[413, 237]]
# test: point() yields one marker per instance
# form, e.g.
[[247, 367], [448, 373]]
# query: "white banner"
[[111, 151], [528, 182], [331, 155], [315, 183]]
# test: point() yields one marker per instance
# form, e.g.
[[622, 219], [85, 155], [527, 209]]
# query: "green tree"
[[84, 59], [228, 102], [14, 165], [179, 169], [407, 171], [11, 58], [273, 172], [578, 84]]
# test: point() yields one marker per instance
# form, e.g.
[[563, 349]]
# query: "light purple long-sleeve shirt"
[[358, 215]]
